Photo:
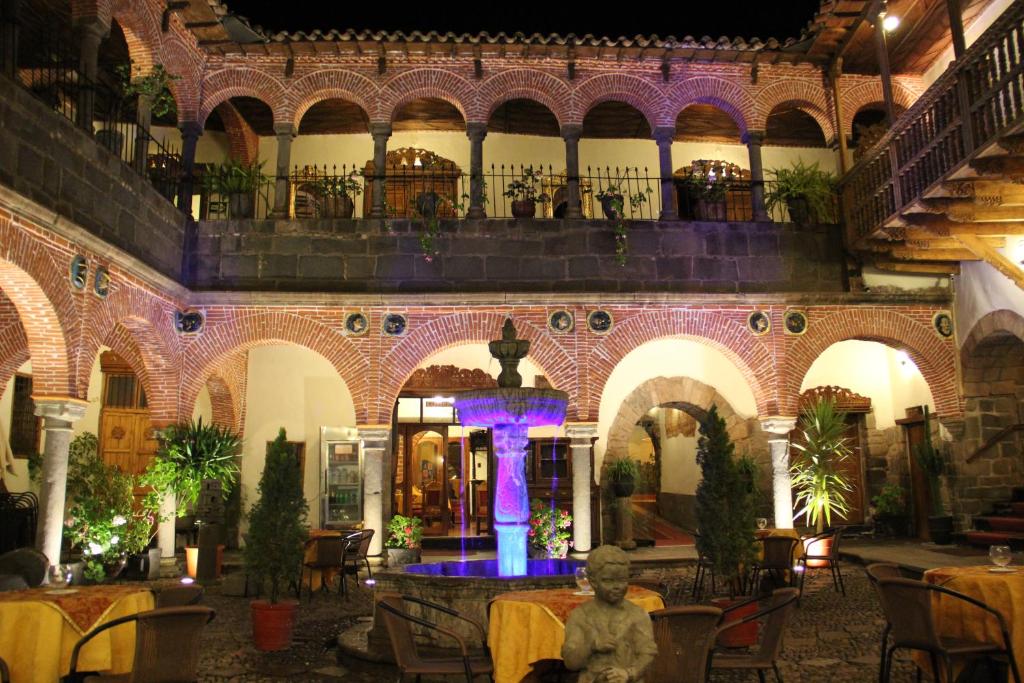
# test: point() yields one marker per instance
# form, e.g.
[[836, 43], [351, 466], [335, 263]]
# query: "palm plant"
[[819, 483]]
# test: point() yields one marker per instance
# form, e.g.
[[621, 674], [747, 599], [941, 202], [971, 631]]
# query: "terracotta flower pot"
[[524, 208], [741, 636], [272, 624], [192, 559]]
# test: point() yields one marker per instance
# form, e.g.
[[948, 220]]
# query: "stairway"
[[648, 524], [1005, 526]]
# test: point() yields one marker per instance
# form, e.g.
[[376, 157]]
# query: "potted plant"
[[524, 195], [274, 546], [707, 196], [154, 86], [726, 517], [622, 473], [807, 192], [929, 458], [188, 454], [549, 532], [403, 541], [890, 510], [612, 200], [236, 181], [337, 193]]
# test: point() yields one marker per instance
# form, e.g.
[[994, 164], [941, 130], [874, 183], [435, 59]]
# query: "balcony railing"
[[978, 99]]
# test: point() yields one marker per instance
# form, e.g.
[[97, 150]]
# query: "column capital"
[[572, 132], [60, 408], [752, 137], [190, 129], [779, 425], [476, 130], [581, 431], [285, 130], [664, 134], [92, 27], [374, 432], [380, 128]]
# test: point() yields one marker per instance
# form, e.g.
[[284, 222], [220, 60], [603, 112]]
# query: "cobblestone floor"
[[831, 638]]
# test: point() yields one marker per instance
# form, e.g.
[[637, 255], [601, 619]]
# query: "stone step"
[[1000, 523], [986, 538]]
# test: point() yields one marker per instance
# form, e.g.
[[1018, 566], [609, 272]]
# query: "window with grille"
[[24, 423]]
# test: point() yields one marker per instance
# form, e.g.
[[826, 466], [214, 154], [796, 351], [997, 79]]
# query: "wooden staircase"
[[648, 524]]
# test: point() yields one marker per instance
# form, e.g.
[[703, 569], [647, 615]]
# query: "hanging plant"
[[154, 86], [613, 202]]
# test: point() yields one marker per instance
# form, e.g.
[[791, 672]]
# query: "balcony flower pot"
[[741, 636], [524, 208], [240, 205], [609, 204], [710, 210], [940, 529], [341, 206], [398, 557], [426, 204], [799, 210], [192, 559], [623, 488], [272, 624]]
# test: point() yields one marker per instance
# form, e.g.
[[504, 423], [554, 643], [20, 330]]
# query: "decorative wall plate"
[[795, 322], [101, 282], [759, 323], [356, 324], [561, 322], [78, 272], [189, 322], [600, 322], [394, 324], [943, 324]]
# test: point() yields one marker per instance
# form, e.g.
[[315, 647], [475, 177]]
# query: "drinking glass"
[[1000, 555], [58, 576], [762, 523], [582, 582]]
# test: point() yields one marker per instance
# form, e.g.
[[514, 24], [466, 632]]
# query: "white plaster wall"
[[94, 397], [880, 278], [679, 470], [295, 388], [982, 289], [212, 146], [871, 369], [971, 33], [204, 407], [670, 358]]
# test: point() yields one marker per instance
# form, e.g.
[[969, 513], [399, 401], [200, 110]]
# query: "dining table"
[[39, 628], [529, 626], [1002, 590]]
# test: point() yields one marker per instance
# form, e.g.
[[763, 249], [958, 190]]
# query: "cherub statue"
[[609, 638]]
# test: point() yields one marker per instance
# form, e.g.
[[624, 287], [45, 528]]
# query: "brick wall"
[[508, 255]]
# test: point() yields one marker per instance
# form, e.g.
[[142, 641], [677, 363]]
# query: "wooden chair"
[[166, 646], [399, 624], [765, 655], [909, 609], [685, 637], [179, 596], [432, 504], [327, 553], [831, 560], [480, 515]]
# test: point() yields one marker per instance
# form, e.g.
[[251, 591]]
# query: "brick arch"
[[527, 84], [934, 356], [807, 97], [13, 342], [87, 9], [179, 61], [694, 396], [229, 332], [994, 322], [330, 84], [869, 92], [152, 363], [419, 83], [455, 329], [222, 403], [222, 85], [726, 95], [647, 98], [141, 32]]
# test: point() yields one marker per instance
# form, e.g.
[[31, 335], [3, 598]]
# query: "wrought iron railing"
[[978, 99]]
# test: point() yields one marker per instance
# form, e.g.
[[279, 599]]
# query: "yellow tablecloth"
[[37, 636], [524, 627], [1001, 591]]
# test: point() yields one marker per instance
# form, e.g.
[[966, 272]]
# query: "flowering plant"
[[549, 529], [404, 532]]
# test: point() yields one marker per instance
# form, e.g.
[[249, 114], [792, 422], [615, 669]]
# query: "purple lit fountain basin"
[[467, 587]]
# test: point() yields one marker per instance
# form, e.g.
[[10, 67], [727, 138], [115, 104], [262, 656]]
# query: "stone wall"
[[531, 255], [46, 158]]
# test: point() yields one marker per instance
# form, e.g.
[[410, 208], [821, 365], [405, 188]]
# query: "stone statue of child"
[[610, 638]]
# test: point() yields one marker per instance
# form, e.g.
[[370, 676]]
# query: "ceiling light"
[[890, 22]]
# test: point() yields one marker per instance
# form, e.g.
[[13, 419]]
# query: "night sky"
[[744, 18]]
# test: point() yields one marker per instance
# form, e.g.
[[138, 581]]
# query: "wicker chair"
[[705, 568], [832, 559], [399, 624], [179, 596], [328, 553], [777, 559], [908, 608], [166, 646], [876, 572], [356, 550], [685, 637], [766, 655]]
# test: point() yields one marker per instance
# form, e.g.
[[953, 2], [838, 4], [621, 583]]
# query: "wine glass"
[[582, 582], [1000, 555], [58, 576], [762, 523]]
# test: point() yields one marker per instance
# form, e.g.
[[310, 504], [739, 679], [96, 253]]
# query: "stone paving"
[[830, 638]]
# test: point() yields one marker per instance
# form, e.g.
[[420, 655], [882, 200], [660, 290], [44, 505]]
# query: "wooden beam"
[[994, 258], [1004, 191], [1005, 166], [979, 213], [928, 268], [987, 230], [909, 254]]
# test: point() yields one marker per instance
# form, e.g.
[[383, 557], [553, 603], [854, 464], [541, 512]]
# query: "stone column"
[[476, 133], [285, 134], [58, 415], [664, 135], [381, 132], [571, 134], [143, 119], [753, 140], [91, 33], [581, 440], [166, 537], [190, 132], [778, 429], [10, 27], [376, 440]]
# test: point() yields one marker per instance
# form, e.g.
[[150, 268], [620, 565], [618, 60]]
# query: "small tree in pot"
[[929, 458], [622, 473], [236, 181], [274, 548], [403, 542], [807, 192], [820, 486]]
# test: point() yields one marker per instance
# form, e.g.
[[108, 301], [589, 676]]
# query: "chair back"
[[363, 547], [327, 551], [778, 552], [780, 609], [167, 644], [882, 570], [398, 623], [179, 596], [685, 636], [907, 605]]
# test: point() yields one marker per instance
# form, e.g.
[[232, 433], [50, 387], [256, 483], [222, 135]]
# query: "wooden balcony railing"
[[977, 100]]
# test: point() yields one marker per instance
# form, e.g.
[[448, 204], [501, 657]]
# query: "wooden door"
[[920, 492], [852, 470], [126, 437], [423, 490]]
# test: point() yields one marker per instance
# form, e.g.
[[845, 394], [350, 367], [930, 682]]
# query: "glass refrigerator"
[[341, 478]]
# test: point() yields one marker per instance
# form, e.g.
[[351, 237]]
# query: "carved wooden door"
[[126, 437]]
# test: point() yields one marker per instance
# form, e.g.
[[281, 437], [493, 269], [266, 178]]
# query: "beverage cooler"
[[341, 478]]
